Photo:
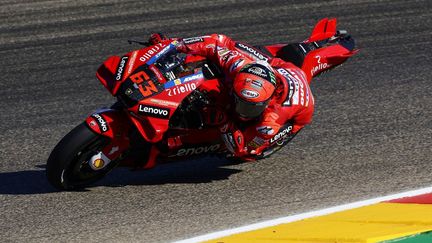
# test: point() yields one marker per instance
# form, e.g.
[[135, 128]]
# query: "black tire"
[[67, 166]]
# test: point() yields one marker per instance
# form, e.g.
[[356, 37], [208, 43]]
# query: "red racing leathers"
[[291, 106]]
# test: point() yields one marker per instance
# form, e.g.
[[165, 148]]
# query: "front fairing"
[[116, 70], [139, 81]]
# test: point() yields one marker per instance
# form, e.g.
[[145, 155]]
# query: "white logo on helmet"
[[250, 94], [257, 71]]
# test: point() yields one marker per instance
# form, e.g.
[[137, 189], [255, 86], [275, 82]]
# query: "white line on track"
[[298, 217]]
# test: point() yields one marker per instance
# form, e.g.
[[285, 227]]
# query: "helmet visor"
[[247, 109]]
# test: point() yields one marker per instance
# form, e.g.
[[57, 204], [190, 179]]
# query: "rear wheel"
[[68, 165]]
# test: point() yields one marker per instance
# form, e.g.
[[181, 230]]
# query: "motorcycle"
[[161, 97]]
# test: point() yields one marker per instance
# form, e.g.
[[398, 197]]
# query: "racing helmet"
[[253, 88]]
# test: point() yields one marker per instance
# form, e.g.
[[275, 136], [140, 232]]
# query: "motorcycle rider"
[[267, 93], [271, 98]]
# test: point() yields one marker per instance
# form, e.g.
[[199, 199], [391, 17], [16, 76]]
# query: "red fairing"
[[152, 132], [113, 124], [106, 74], [116, 69], [324, 29], [109, 123], [325, 58]]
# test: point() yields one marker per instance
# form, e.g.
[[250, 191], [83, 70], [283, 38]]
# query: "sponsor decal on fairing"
[[150, 52], [99, 161], [101, 122], [132, 62], [180, 89], [164, 51], [182, 80], [164, 102], [141, 81], [156, 51], [319, 67], [156, 71], [120, 68], [193, 77], [150, 88], [169, 48], [153, 111], [197, 150]]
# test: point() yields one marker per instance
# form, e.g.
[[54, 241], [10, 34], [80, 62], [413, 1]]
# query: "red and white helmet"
[[253, 88]]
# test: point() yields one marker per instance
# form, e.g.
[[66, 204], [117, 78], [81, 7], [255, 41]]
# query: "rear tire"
[[67, 166]]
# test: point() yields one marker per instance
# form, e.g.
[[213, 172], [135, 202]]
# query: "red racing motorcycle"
[[161, 97]]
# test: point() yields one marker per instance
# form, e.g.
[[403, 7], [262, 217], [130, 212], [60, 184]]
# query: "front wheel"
[[68, 165]]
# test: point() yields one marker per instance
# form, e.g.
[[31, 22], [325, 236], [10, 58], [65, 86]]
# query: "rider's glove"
[[157, 38], [234, 140]]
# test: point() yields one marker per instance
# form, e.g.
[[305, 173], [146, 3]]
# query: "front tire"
[[67, 166]]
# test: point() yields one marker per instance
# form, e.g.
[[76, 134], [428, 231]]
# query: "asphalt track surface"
[[371, 133]]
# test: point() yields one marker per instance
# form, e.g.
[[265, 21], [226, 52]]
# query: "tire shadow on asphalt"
[[205, 170]]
